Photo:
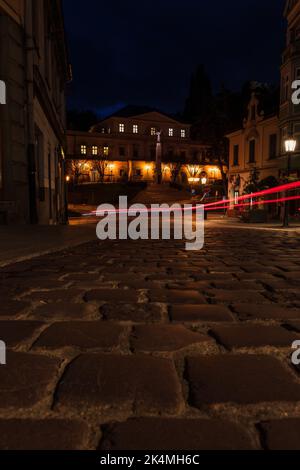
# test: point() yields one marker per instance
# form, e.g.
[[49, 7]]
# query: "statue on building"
[[158, 158]]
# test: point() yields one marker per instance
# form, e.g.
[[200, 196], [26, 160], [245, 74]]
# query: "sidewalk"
[[19, 243], [236, 223]]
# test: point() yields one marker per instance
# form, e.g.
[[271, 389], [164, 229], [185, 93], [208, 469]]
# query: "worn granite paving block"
[[175, 434], [144, 383], [240, 379]]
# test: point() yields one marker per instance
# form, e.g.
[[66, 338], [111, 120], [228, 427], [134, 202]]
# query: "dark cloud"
[[144, 52]]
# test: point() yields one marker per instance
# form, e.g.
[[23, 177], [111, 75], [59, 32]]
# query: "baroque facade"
[[258, 148], [123, 148], [34, 68], [254, 148]]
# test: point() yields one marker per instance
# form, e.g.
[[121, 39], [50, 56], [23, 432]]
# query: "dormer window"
[[171, 132], [121, 128]]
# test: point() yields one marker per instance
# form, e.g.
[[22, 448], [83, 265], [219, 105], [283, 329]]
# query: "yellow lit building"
[[255, 147], [260, 145], [123, 148]]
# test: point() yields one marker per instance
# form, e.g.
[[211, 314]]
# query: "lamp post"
[[290, 147], [147, 168], [111, 167]]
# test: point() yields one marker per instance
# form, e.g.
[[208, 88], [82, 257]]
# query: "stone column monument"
[[158, 158]]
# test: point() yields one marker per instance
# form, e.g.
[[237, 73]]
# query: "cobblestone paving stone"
[[143, 345]]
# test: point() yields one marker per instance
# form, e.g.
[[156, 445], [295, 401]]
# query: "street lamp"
[[111, 167], [204, 181], [147, 168], [290, 147]]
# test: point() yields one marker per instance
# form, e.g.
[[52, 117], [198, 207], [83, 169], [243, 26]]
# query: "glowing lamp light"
[[68, 179], [193, 180], [290, 145], [147, 167], [203, 180], [111, 166]]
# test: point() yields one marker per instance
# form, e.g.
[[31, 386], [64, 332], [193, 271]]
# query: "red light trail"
[[222, 204], [276, 189], [256, 203]]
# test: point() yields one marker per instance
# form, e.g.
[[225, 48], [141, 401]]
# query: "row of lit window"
[[153, 130], [95, 149], [83, 150]]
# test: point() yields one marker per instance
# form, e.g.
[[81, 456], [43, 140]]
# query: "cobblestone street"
[[143, 345]]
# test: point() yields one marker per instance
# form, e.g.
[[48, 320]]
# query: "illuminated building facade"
[[259, 147], [123, 148], [254, 148]]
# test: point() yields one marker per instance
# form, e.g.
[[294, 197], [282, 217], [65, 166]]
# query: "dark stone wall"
[[14, 187]]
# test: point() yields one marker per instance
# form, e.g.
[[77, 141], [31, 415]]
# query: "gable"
[[155, 116]]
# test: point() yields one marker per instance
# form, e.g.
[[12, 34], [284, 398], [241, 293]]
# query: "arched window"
[[252, 148]]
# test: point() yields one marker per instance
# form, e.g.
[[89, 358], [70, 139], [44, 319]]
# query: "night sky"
[[144, 52]]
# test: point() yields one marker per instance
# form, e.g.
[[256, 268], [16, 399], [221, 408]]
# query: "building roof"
[[131, 110], [135, 110]]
